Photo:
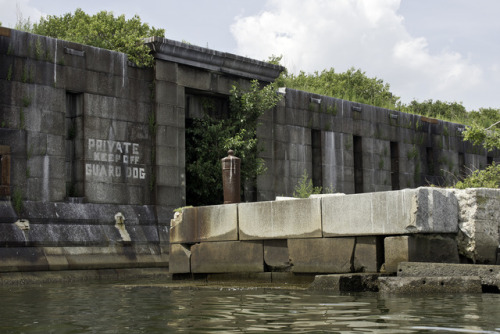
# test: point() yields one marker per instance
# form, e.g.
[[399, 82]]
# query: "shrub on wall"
[[486, 178]]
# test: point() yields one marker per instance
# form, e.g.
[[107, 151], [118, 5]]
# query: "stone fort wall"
[[82, 122], [351, 148]]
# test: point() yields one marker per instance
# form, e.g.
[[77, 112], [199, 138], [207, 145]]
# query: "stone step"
[[489, 274], [346, 282]]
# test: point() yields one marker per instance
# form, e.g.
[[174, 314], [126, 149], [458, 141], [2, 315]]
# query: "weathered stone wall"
[[76, 118], [70, 236]]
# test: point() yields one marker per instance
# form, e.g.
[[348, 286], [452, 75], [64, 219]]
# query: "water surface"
[[119, 308]]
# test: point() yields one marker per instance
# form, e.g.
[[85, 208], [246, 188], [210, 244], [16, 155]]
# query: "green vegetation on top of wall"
[[352, 85], [102, 30]]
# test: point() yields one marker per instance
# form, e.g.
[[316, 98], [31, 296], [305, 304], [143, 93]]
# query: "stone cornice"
[[212, 60]]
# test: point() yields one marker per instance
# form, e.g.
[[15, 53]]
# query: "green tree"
[[102, 30], [488, 137], [210, 138]]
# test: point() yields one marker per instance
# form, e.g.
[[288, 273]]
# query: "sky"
[[446, 50]]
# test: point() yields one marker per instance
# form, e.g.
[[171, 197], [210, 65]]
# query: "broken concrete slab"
[[489, 274], [300, 218], [321, 255], [419, 248], [227, 257], [182, 227], [421, 210], [429, 285]]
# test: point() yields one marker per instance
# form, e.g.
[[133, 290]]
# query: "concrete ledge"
[[218, 223], [212, 60], [422, 210], [240, 277], [429, 285], [489, 274], [42, 277], [299, 218]]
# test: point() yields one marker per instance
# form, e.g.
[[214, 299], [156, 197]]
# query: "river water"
[[120, 308]]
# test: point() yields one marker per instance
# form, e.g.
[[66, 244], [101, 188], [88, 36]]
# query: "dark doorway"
[[462, 166], [395, 165], [204, 151]]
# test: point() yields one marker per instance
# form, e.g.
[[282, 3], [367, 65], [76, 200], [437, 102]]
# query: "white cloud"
[[368, 34], [12, 11]]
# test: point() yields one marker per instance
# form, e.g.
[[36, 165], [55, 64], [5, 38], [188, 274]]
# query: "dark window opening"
[[430, 161], [74, 140], [4, 171], [489, 160], [358, 164], [395, 165], [317, 161]]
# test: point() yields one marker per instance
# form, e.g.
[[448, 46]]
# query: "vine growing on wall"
[[209, 139]]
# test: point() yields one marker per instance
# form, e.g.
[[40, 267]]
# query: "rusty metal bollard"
[[231, 178]]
